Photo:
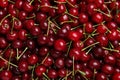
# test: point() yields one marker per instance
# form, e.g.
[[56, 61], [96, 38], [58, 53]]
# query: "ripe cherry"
[[60, 45], [40, 70]]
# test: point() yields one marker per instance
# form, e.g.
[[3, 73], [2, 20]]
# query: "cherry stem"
[[76, 27], [49, 7], [11, 2], [59, 2], [45, 58], [69, 46], [8, 62], [12, 25], [32, 75], [111, 45], [54, 22], [1, 68], [90, 46], [98, 10], [46, 76], [73, 72], [4, 19], [31, 17], [5, 49], [114, 50], [81, 72], [22, 53], [31, 2], [67, 75], [94, 74], [66, 22], [71, 15], [70, 3], [89, 50]]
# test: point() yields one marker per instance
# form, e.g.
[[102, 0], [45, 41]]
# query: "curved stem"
[[4, 19]]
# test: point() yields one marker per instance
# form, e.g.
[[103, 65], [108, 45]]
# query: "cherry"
[[78, 44], [101, 76], [62, 72], [35, 31], [61, 8], [17, 44], [110, 59], [94, 64], [75, 53], [41, 16], [19, 4], [52, 73], [99, 2], [12, 36], [40, 70], [23, 66], [3, 42], [60, 45], [116, 76], [111, 25], [22, 34], [83, 18], [5, 75], [27, 6], [88, 73], [102, 39], [17, 24], [4, 28], [33, 59], [25, 76], [107, 69], [59, 63], [74, 35], [43, 51], [73, 11], [42, 39], [91, 8], [22, 15], [101, 29], [48, 61], [4, 3], [10, 52], [55, 53], [97, 18], [29, 23], [88, 27]]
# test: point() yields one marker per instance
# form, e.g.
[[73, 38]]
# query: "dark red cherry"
[[52, 73], [40, 70], [33, 59], [6, 75], [83, 18], [23, 66], [116, 76], [3, 3], [97, 18], [60, 45]]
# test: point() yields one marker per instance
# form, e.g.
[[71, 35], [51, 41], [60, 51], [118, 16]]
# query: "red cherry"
[[60, 45], [5, 75], [116, 76], [3, 3], [39, 70]]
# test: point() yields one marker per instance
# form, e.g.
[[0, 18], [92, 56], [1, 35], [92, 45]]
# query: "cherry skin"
[[60, 45], [62, 72], [5, 75], [107, 69], [74, 35], [75, 53], [3, 3], [33, 59], [48, 61], [3, 42], [59, 63], [116, 76], [101, 76], [102, 39], [83, 18], [40, 70], [52, 73], [23, 66], [97, 17], [43, 51], [12, 36], [61, 8], [27, 6]]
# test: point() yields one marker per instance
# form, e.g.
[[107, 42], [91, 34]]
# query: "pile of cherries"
[[59, 39]]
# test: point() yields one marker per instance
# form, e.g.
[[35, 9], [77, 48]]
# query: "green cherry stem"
[[8, 62], [114, 50], [90, 46], [73, 72], [69, 46], [4, 19], [22, 53], [5, 49]]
